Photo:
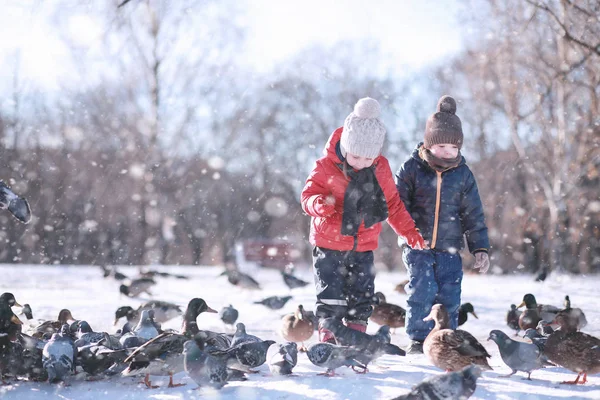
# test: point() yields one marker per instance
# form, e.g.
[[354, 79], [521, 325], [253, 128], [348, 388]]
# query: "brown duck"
[[400, 287], [51, 327], [297, 327], [576, 351], [452, 350], [388, 314]]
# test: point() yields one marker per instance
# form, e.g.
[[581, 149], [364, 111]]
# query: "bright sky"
[[410, 33]]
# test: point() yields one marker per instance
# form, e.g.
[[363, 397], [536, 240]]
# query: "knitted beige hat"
[[363, 133]]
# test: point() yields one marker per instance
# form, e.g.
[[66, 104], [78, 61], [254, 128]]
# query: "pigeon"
[[519, 356], [245, 356], [331, 357], [512, 319], [450, 386], [18, 206], [463, 313], [282, 358], [542, 275], [539, 340], [137, 287], [241, 336], [86, 336], [113, 273], [143, 331], [274, 302], [229, 315], [59, 355], [241, 279], [202, 367], [291, 281], [370, 346]]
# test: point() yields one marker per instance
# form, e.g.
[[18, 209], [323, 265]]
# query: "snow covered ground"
[[91, 297]]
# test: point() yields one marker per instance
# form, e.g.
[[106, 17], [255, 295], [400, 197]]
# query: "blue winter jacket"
[[444, 205]]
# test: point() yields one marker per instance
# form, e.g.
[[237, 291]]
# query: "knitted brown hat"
[[444, 126]]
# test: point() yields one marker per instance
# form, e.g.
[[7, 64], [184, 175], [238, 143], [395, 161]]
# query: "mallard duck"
[[400, 288], [297, 327], [163, 355], [512, 319], [530, 317], [576, 351], [49, 328], [463, 313], [389, 314], [546, 312], [452, 350], [575, 313], [7, 316]]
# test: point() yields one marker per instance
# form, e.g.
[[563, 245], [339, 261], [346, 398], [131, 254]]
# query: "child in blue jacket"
[[440, 192]]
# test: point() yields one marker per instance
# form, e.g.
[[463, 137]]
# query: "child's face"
[[358, 162], [444, 150]]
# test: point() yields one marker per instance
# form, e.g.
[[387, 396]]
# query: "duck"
[[546, 312], [7, 316], [389, 314], [463, 313], [11, 361], [512, 318], [573, 350], [297, 327], [452, 350], [575, 313], [163, 354], [48, 328], [530, 317]]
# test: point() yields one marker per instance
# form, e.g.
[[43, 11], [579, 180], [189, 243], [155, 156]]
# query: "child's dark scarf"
[[439, 164], [364, 200]]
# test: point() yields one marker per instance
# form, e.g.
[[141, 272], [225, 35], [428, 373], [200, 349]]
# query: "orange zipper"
[[438, 197]]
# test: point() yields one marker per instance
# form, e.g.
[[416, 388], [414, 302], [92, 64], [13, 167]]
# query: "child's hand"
[[482, 262], [415, 241], [326, 205]]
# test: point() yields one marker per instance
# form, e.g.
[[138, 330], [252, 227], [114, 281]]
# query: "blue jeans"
[[434, 278], [345, 282]]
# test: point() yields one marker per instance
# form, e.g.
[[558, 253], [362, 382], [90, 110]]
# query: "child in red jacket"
[[348, 193]]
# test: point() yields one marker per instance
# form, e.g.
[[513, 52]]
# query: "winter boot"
[[415, 347], [326, 336], [360, 326]]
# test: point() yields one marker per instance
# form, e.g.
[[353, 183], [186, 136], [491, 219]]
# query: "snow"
[[91, 297]]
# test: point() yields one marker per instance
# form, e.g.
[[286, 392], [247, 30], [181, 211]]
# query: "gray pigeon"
[[245, 356], [282, 358], [26, 310], [240, 336], [370, 346], [229, 315], [18, 206], [86, 336], [453, 385], [58, 355], [274, 302], [201, 367], [331, 357], [519, 356]]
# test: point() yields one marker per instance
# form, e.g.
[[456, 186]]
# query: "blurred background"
[[164, 132]]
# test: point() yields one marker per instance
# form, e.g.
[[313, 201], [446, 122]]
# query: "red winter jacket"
[[327, 179]]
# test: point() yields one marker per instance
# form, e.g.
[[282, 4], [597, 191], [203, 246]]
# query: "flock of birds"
[[55, 350]]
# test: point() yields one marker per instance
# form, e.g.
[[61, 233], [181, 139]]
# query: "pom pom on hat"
[[364, 133], [444, 126]]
